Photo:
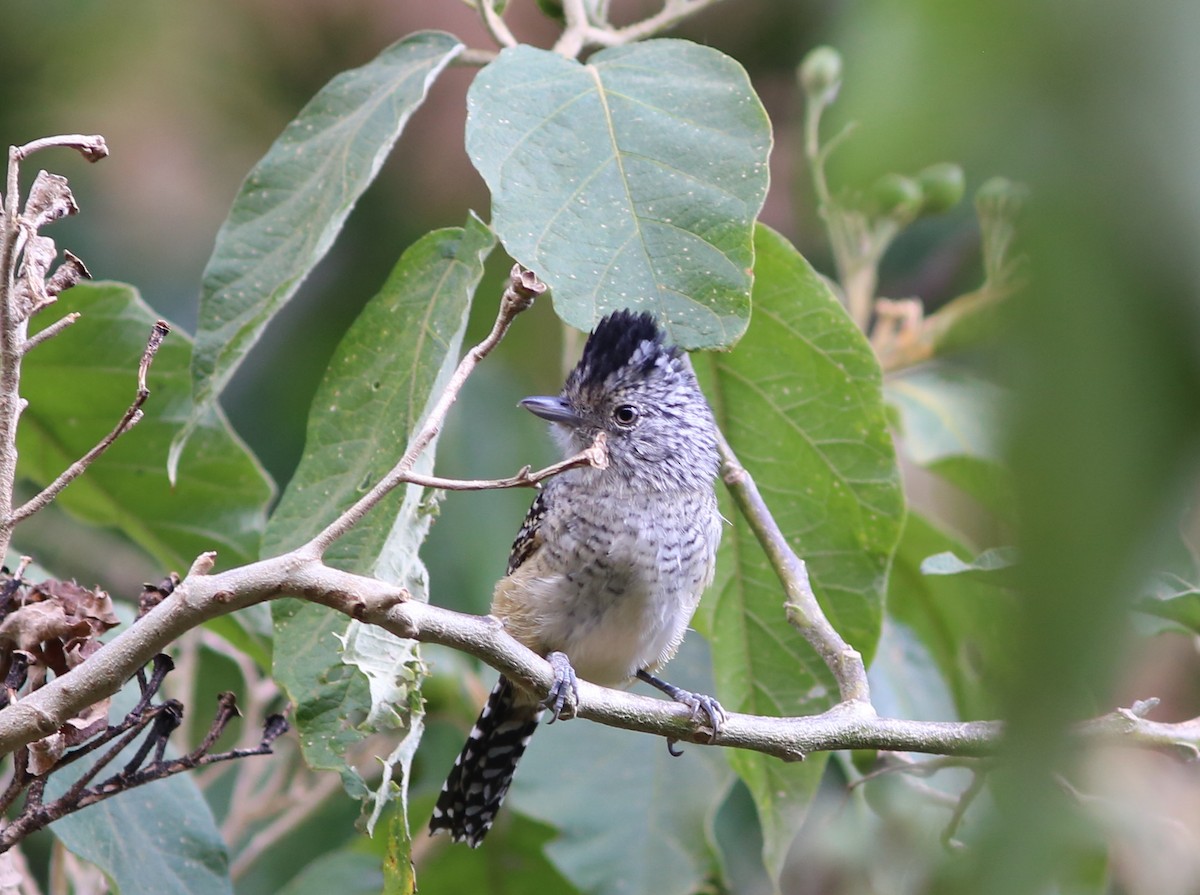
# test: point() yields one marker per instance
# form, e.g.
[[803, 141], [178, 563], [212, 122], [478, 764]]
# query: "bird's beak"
[[553, 408]]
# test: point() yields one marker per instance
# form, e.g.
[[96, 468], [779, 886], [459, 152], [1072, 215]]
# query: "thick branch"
[[202, 597]]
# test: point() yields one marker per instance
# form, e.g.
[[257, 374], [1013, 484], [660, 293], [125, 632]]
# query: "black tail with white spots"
[[484, 769]]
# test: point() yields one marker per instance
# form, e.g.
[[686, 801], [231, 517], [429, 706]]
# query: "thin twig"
[[595, 456], [803, 610], [580, 32], [91, 146], [130, 419], [523, 287], [978, 779], [49, 332], [495, 24], [473, 58]]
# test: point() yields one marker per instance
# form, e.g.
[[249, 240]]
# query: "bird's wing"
[[529, 538]]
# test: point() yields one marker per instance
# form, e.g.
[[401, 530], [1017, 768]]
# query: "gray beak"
[[553, 408]]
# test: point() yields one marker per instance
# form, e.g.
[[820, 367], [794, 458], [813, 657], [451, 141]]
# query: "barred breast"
[[614, 579]]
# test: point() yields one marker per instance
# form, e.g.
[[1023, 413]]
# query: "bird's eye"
[[625, 415]]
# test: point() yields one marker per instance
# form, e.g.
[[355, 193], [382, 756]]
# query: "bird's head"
[[643, 395]]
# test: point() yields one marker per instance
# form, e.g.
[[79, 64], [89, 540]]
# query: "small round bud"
[[820, 74], [895, 195], [943, 185]]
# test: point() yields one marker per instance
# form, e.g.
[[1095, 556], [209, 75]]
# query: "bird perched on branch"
[[610, 563]]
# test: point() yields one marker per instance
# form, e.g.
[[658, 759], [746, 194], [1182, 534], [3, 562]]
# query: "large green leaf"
[[79, 384], [631, 181], [395, 356], [293, 204], [633, 819], [157, 839], [948, 419], [801, 404]]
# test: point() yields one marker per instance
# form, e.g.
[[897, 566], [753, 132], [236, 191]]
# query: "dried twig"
[[595, 456], [50, 331], [15, 233], [130, 419], [523, 288], [157, 722]]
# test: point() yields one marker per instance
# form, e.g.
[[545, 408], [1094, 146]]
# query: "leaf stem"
[[495, 24]]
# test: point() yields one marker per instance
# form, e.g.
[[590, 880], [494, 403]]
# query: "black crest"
[[619, 343]]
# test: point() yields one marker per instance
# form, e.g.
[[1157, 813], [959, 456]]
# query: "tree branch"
[[803, 611], [201, 597], [580, 32], [15, 231], [595, 456]]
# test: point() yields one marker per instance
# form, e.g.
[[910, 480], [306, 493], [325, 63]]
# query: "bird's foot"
[[706, 711], [564, 693]]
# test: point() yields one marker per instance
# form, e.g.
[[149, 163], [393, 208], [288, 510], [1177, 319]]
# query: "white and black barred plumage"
[[609, 564]]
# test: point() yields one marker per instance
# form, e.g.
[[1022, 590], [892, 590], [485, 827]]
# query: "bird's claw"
[[564, 693], [706, 710]]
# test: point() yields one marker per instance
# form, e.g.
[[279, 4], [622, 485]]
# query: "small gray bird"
[[610, 563]]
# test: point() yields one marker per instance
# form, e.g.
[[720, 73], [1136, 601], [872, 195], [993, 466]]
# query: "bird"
[[609, 564]]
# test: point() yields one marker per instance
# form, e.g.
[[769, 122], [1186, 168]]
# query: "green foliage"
[[826, 405], [293, 204], [80, 383], [949, 417], [632, 181], [649, 827], [1066, 416], [345, 681]]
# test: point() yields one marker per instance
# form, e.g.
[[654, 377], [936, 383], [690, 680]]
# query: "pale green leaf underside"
[[293, 203], [949, 418], [631, 181], [961, 619], [800, 402]]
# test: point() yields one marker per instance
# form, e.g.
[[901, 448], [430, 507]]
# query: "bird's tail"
[[484, 769]]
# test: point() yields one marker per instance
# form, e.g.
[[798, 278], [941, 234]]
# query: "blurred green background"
[[1094, 105]]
